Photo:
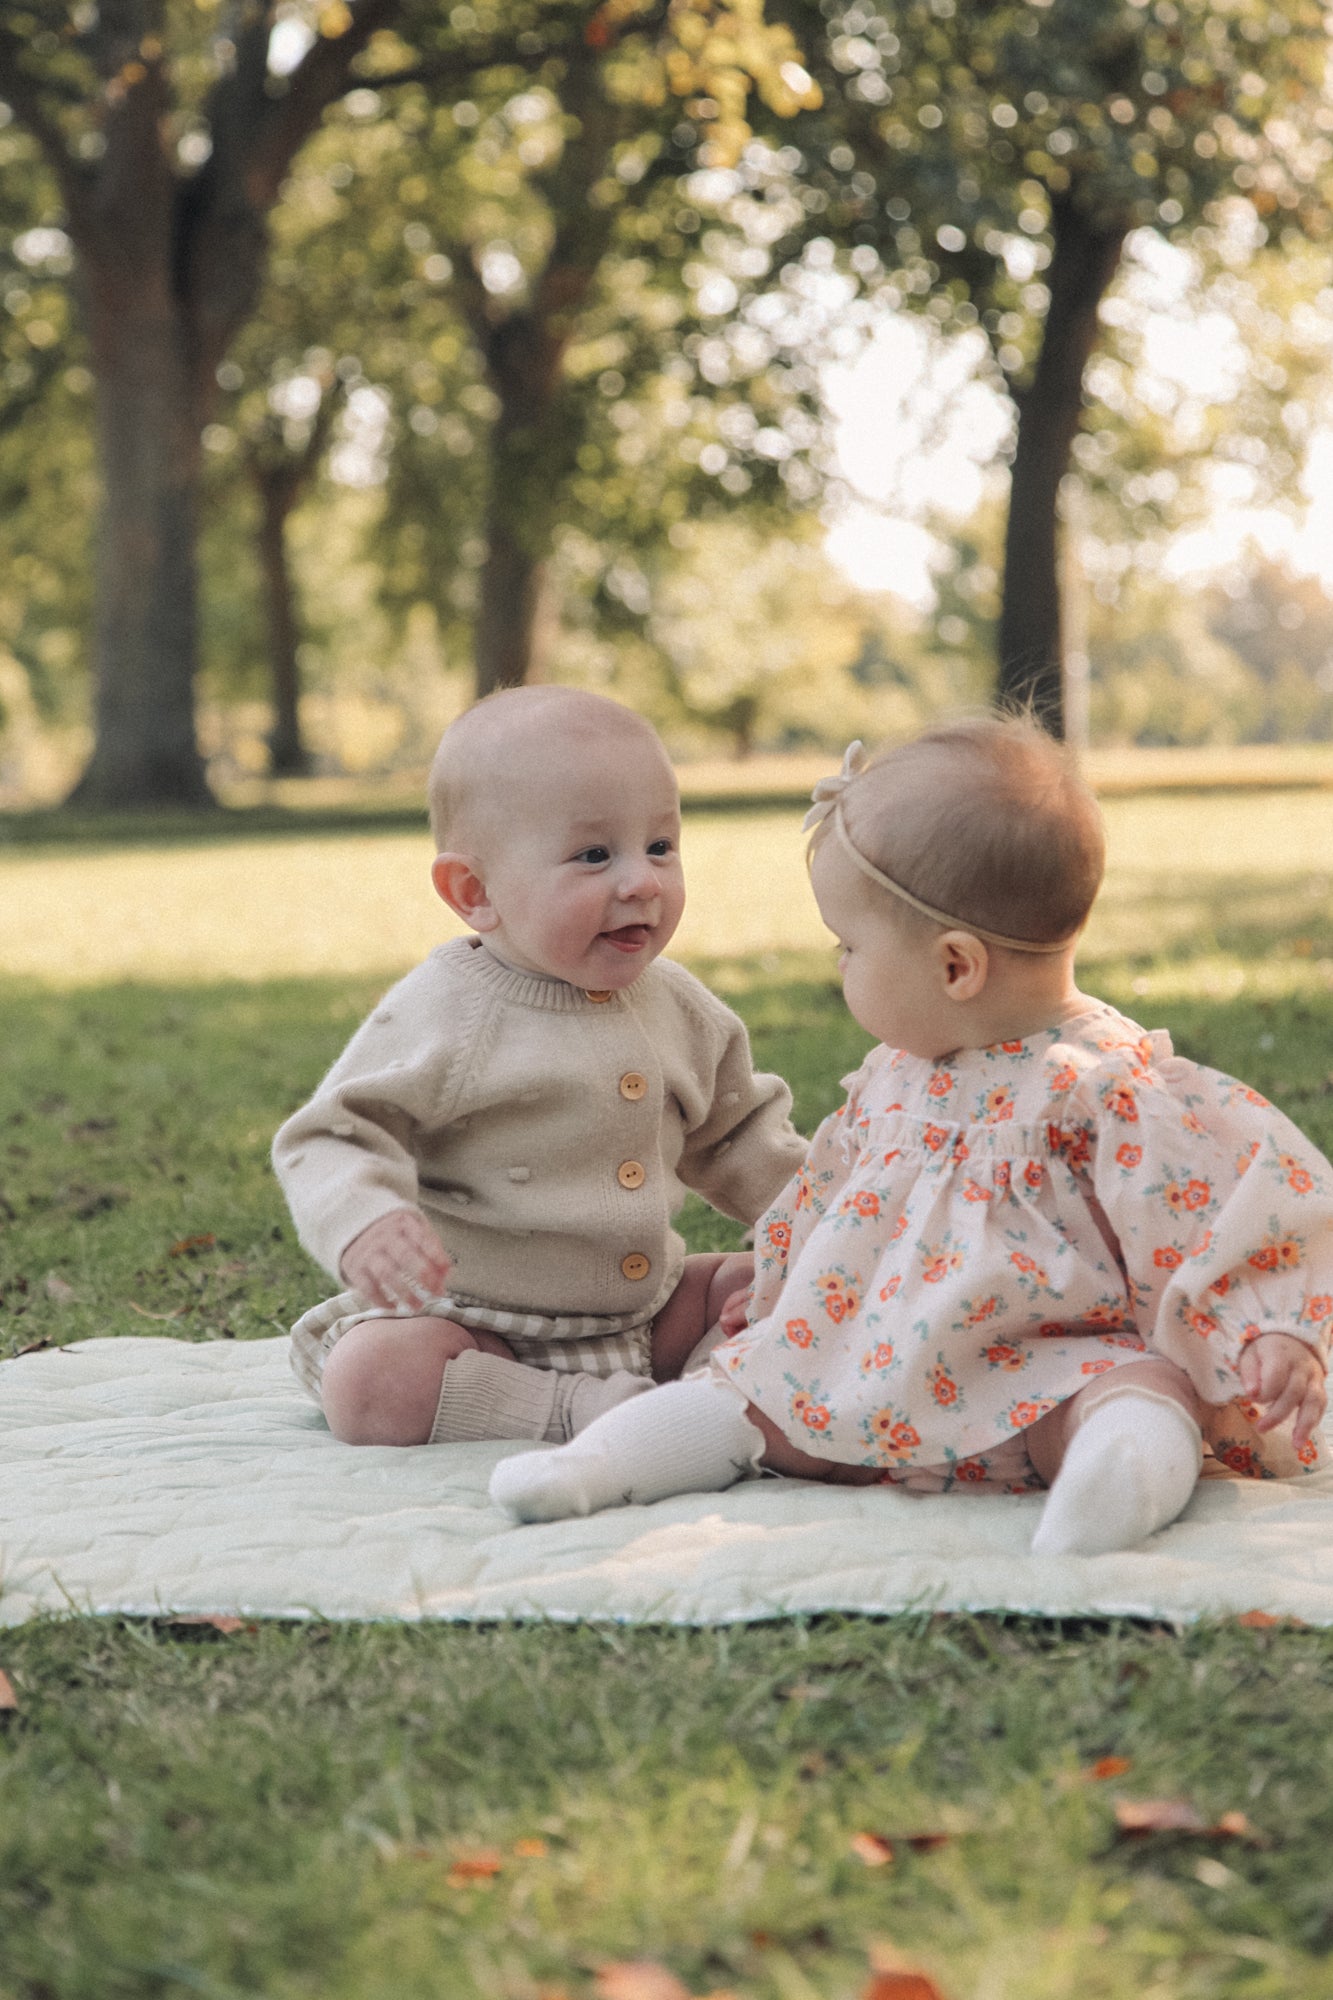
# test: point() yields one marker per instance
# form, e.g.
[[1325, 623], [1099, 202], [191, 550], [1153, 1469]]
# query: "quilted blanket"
[[152, 1476]]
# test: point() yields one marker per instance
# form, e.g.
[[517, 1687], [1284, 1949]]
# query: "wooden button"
[[598, 998], [635, 1266], [630, 1174], [633, 1086]]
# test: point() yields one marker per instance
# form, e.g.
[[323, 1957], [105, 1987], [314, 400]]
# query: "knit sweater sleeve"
[[349, 1156], [741, 1147]]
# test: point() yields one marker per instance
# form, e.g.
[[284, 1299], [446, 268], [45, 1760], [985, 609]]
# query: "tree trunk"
[[527, 462], [509, 616], [1083, 263], [288, 755], [145, 644]]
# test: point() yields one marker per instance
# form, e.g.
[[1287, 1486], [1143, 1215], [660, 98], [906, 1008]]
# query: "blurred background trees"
[[358, 357]]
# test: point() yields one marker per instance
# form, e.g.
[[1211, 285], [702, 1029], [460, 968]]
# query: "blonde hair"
[[986, 819]]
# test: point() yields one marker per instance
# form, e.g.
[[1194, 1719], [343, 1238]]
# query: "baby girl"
[[1034, 1249]]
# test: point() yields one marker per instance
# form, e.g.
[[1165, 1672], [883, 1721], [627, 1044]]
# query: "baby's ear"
[[458, 884], [965, 963]]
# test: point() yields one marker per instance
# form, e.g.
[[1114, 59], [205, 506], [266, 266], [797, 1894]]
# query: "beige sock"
[[488, 1396]]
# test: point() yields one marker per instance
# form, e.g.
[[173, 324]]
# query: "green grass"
[[278, 1812]]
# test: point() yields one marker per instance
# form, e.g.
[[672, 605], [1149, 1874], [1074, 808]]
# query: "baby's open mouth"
[[630, 937]]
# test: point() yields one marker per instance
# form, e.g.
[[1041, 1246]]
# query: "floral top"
[[969, 1241]]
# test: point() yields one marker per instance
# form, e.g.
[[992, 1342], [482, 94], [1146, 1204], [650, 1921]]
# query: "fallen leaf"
[[190, 1246], [926, 1843], [894, 1977], [8, 1699], [530, 1850], [905, 1985], [639, 1979], [1136, 1817], [872, 1849], [35, 1346], [479, 1865], [144, 1313], [217, 1621], [58, 1288], [1107, 1767]]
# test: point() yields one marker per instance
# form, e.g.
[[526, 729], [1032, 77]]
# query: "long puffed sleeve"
[[1221, 1210]]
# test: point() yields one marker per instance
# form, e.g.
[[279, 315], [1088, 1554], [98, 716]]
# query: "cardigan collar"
[[506, 983]]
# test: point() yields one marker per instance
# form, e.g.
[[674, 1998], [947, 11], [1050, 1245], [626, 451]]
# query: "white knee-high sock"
[[1130, 1468], [489, 1396], [686, 1437]]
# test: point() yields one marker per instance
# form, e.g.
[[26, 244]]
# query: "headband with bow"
[[828, 799]]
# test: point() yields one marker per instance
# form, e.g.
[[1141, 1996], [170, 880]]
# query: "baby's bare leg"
[[382, 1381], [706, 1283], [1121, 1459]]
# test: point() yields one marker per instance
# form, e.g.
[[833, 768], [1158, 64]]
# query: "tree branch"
[[20, 91]]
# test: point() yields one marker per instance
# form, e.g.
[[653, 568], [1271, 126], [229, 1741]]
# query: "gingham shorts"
[[569, 1343]]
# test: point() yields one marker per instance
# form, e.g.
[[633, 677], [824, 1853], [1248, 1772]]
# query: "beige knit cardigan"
[[548, 1135]]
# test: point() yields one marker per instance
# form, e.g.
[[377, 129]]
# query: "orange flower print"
[[937, 1264], [940, 1084], [934, 1136], [894, 1437], [1029, 1266], [971, 1471], [1104, 1315], [840, 1301], [986, 1310], [799, 1332], [942, 1386], [1202, 1323], [1245, 1160], [1221, 1286], [1194, 1195], [1012, 1048], [961, 1150], [1168, 1258], [1318, 1309], [889, 1289], [1065, 1078], [1308, 1453], [971, 1192], [1129, 1157], [1096, 1367], [1240, 1457], [778, 1235], [997, 1105], [1001, 1176], [896, 1154], [899, 1227], [865, 1203], [1002, 1354], [880, 1356], [1299, 1178], [1121, 1102], [1253, 1097], [1023, 1414], [1283, 1254], [1033, 1174], [815, 1417]]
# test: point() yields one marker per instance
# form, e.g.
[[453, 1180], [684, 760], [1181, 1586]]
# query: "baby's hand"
[[734, 1315], [398, 1261], [1285, 1376]]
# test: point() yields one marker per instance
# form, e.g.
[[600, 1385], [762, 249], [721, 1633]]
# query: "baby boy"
[[492, 1164]]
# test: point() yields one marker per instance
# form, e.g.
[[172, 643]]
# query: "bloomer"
[[569, 1343]]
